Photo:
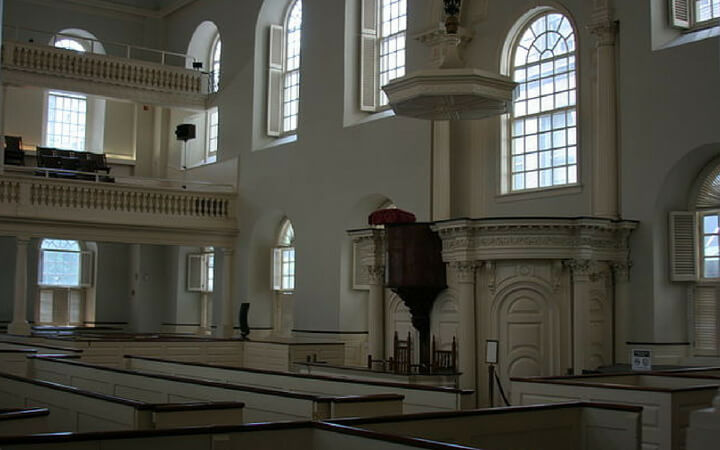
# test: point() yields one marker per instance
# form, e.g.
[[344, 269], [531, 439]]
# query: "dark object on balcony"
[[14, 154], [72, 162], [390, 215], [185, 132], [244, 326], [416, 273]]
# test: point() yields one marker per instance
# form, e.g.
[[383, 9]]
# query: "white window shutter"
[[706, 321], [275, 80], [276, 269], [87, 268], [195, 272], [683, 254], [680, 13], [368, 55]]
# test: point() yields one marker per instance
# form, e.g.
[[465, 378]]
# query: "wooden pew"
[[418, 398], [303, 435], [667, 400], [562, 426], [13, 360], [78, 410], [17, 421], [262, 404]]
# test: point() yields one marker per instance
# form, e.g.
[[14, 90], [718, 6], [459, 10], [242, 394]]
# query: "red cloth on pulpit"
[[390, 215]]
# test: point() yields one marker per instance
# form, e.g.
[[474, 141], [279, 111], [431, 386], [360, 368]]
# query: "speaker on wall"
[[185, 132]]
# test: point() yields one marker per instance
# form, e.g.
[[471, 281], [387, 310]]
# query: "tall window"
[[212, 144], [215, 54], [383, 25], [284, 259], [66, 118], [543, 124], [711, 248], [201, 271], [393, 23], [291, 83], [59, 263]]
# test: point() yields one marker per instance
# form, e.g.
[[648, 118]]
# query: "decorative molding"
[[535, 238], [621, 270], [464, 272], [586, 269], [113, 8], [556, 275], [491, 276], [376, 274]]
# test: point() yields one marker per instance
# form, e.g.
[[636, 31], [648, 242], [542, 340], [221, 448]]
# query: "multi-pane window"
[[711, 248], [291, 77], [215, 64], [60, 263], [210, 270], [212, 145], [393, 23], [284, 259], [707, 10], [66, 118], [543, 124]]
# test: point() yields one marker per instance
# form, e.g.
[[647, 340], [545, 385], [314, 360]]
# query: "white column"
[[464, 280], [605, 157], [226, 325], [621, 280], [703, 431], [20, 325], [581, 286], [441, 170], [376, 311]]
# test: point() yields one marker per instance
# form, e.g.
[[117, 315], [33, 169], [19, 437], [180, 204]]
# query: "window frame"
[[210, 154], [381, 99], [506, 170], [692, 23], [42, 261], [215, 74], [280, 262], [700, 244], [47, 122], [284, 131]]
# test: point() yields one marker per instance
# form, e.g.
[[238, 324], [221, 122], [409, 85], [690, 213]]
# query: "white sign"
[[641, 359]]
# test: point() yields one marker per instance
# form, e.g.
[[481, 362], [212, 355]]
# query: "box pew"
[[16, 421], [14, 360], [418, 398], [562, 426], [263, 436], [78, 410], [667, 401], [262, 404]]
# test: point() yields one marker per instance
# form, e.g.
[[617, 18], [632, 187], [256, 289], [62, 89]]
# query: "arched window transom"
[[543, 147], [60, 262], [215, 54], [284, 259]]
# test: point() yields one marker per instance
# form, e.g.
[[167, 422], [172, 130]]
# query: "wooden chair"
[[14, 154], [444, 360], [402, 351]]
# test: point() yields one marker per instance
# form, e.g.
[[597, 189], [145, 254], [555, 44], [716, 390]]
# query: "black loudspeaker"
[[185, 132], [244, 327]]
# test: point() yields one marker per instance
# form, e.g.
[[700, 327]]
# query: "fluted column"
[[605, 154], [464, 280], [581, 286], [19, 324], [226, 325], [376, 311]]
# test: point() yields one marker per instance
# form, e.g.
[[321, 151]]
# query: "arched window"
[[60, 263], [543, 123], [215, 53], [70, 44], [291, 84], [284, 259]]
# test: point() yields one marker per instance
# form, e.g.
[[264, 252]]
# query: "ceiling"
[[154, 5]]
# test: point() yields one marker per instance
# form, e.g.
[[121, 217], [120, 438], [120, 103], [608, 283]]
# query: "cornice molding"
[[117, 9]]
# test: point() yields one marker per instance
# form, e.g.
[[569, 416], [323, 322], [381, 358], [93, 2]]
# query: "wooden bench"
[[563, 426], [666, 400], [301, 435], [262, 404], [418, 398], [66, 164], [17, 421], [78, 410]]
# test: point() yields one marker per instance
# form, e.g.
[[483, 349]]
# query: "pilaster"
[[463, 277], [226, 324], [19, 324]]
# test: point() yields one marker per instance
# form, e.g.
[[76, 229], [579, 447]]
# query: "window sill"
[[207, 162], [363, 117], [278, 142], [705, 31], [557, 191]]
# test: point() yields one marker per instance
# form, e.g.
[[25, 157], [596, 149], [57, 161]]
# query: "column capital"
[[22, 240], [464, 271], [621, 270], [585, 269], [376, 274], [603, 27], [227, 251]]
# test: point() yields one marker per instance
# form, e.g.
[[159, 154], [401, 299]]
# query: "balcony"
[[151, 80], [132, 209]]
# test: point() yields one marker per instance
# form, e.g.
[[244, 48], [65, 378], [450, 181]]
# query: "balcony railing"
[[39, 199]]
